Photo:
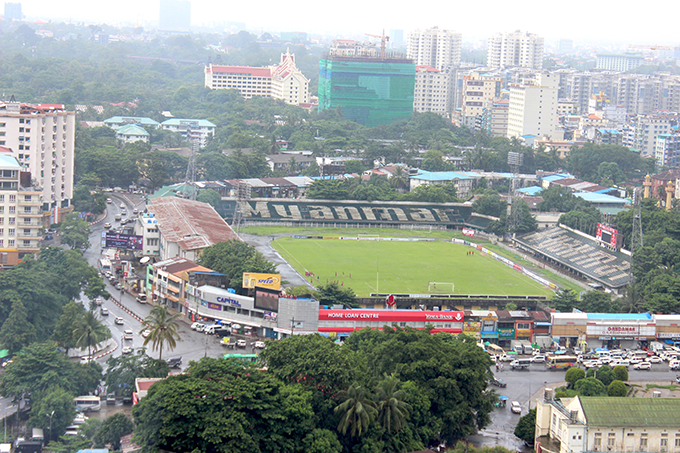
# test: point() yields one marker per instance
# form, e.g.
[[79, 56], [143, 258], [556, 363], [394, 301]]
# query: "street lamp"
[[50, 416]]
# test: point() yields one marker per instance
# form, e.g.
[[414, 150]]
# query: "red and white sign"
[[614, 331], [468, 232], [606, 234], [390, 301], [392, 316], [125, 274]]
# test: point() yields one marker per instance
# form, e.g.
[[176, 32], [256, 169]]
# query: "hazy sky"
[[581, 20]]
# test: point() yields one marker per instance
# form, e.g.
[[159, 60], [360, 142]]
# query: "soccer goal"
[[368, 237], [440, 287]]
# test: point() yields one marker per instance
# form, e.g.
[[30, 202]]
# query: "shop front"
[[473, 329], [505, 336], [618, 336]]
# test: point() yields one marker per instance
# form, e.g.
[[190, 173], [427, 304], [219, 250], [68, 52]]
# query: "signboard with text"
[[252, 279], [123, 241]]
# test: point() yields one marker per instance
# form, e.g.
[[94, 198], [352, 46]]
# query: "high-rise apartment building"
[[533, 108], [433, 91], [434, 47], [42, 138], [13, 11], [371, 87], [175, 15], [479, 91], [285, 81], [516, 49], [20, 212], [668, 150], [619, 62], [647, 130]]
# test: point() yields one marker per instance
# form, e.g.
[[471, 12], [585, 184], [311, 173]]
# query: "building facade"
[[371, 89], [433, 91], [647, 130], [668, 150], [619, 62], [42, 138], [434, 47], [533, 108], [479, 90], [516, 49], [200, 130], [285, 81]]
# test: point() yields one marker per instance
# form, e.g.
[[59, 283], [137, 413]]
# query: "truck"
[[520, 364]]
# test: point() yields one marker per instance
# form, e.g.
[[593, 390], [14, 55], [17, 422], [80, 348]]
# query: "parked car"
[[111, 398], [241, 344], [642, 366], [120, 321], [200, 327], [259, 345], [498, 383], [538, 359], [515, 407], [174, 362], [674, 365], [655, 359]]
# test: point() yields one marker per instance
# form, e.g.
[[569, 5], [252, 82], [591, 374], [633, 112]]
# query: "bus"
[[560, 362], [247, 358], [88, 403]]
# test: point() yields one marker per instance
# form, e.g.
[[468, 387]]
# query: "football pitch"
[[404, 267]]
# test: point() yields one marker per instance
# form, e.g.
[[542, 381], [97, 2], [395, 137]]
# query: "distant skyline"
[[582, 21]]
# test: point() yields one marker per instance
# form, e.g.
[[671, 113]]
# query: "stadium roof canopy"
[[579, 253]]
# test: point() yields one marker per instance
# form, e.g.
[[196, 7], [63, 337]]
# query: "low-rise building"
[[201, 130], [117, 121], [186, 227], [607, 424], [131, 133]]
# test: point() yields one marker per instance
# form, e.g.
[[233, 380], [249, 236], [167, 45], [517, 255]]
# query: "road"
[[191, 346], [525, 386]]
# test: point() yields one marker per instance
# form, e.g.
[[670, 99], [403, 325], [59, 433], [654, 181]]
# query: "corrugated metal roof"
[[191, 224], [631, 412]]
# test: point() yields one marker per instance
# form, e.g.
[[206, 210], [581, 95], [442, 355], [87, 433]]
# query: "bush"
[[559, 395], [590, 386], [621, 373], [573, 375], [526, 426], [617, 388]]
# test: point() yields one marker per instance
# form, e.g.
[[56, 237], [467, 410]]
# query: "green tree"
[[322, 441], [71, 317], [164, 329], [357, 411], [210, 196], [75, 232], [392, 411], [526, 427], [122, 371], [254, 410], [590, 386], [620, 373], [332, 294], [597, 302], [16, 331], [113, 428], [617, 388], [53, 409], [490, 204], [233, 258], [573, 375], [605, 375], [90, 332], [564, 301]]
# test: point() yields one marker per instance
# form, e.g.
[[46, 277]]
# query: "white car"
[[127, 350], [146, 333], [515, 407], [674, 365], [655, 359], [642, 366], [195, 325], [636, 360], [122, 206], [259, 345], [538, 359], [241, 344], [85, 360], [120, 321], [592, 364], [128, 334]]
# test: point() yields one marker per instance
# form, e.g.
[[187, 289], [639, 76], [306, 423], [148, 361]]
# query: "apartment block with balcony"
[[20, 213], [42, 138], [533, 108], [516, 49], [433, 91], [201, 130], [607, 424], [479, 91], [434, 47], [668, 150], [647, 130]]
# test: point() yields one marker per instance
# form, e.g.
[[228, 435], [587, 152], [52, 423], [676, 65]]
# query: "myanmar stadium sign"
[[349, 211]]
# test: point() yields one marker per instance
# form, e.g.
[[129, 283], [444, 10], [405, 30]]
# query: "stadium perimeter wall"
[[366, 214]]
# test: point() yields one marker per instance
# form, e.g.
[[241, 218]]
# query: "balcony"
[[28, 248], [32, 235], [35, 201], [31, 213], [29, 224]]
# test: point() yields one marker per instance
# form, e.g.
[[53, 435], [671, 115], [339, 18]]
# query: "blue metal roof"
[[599, 198], [440, 175], [639, 316], [557, 177], [533, 190]]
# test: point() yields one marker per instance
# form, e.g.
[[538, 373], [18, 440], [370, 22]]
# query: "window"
[[677, 440], [11, 231], [643, 442], [598, 440], [10, 243], [12, 209], [12, 198], [12, 220], [611, 441]]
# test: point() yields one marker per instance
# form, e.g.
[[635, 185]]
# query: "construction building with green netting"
[[371, 89]]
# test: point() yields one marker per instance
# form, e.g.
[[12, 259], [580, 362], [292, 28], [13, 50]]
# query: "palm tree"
[[358, 411], [89, 332], [399, 179], [163, 329], [392, 410]]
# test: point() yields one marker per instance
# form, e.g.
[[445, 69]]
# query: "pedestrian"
[[350, 275], [497, 368], [343, 274], [336, 274]]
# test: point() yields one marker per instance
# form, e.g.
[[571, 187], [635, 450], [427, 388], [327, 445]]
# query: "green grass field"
[[404, 267]]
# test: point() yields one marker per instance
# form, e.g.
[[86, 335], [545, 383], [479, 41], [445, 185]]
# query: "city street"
[[192, 345]]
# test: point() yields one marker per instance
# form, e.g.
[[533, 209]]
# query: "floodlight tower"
[[242, 196], [636, 238], [515, 161], [190, 177]]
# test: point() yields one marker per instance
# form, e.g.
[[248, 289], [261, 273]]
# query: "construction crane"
[[383, 40], [652, 47]]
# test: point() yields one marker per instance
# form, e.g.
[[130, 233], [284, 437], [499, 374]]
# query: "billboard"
[[123, 241], [267, 299], [607, 234], [252, 279]]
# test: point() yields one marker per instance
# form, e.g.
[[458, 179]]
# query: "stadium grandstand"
[[580, 254]]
